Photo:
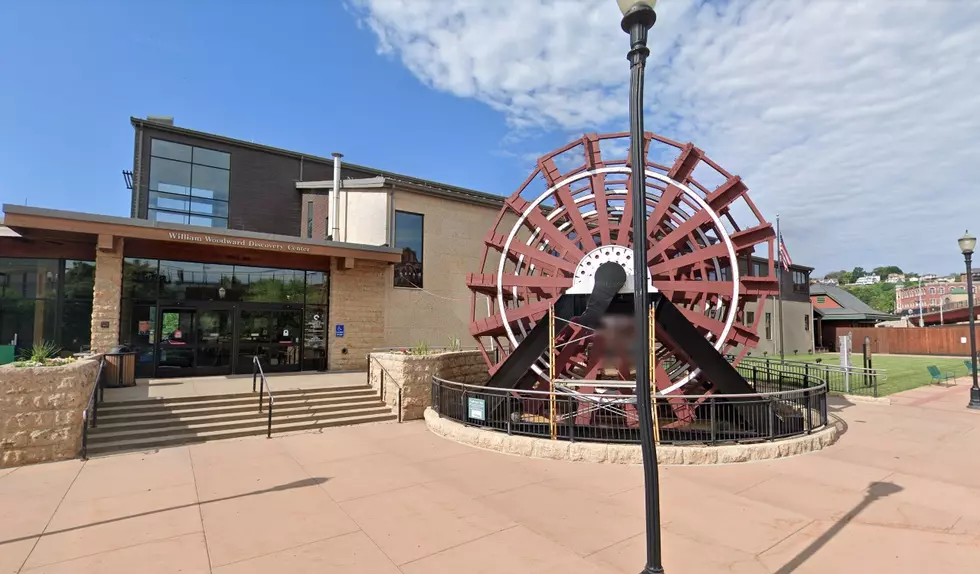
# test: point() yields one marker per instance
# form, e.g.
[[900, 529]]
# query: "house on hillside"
[[835, 311]]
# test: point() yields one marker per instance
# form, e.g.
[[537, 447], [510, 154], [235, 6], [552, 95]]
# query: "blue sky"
[[854, 121], [307, 78]]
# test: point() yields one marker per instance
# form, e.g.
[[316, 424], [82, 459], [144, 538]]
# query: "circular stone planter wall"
[[626, 453]]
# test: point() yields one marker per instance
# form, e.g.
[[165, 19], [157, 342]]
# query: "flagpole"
[[779, 271]]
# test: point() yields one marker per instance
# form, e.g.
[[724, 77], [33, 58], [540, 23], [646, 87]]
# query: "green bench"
[[969, 366], [939, 376]]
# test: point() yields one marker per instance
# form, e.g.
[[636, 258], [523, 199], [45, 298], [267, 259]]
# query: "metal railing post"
[[572, 413], [269, 431], [772, 420], [261, 391], [510, 413], [255, 372], [807, 422], [399, 403], [466, 410], [713, 413]]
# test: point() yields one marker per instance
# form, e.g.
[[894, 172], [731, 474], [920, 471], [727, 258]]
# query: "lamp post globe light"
[[967, 244], [638, 18]]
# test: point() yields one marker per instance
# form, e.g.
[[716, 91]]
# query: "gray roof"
[[850, 306]]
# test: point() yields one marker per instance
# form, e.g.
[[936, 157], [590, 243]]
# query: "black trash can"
[[120, 367]]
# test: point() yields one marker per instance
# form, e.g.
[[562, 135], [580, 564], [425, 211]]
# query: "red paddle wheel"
[[711, 253]]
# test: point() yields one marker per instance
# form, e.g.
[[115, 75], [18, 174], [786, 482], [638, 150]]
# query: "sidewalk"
[[900, 492]]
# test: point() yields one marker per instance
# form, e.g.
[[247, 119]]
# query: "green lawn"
[[903, 373]]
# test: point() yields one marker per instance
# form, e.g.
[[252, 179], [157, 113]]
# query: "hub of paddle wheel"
[[710, 258]]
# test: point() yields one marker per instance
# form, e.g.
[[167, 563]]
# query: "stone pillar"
[[107, 293], [357, 301]]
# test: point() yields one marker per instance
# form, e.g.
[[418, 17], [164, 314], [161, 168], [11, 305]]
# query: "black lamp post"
[[967, 243], [638, 18]]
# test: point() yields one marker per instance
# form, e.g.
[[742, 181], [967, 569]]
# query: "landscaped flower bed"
[[43, 354]]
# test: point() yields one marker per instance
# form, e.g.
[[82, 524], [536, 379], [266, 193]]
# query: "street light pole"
[[638, 18], [967, 243]]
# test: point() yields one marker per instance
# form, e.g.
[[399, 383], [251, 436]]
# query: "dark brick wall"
[[262, 195]]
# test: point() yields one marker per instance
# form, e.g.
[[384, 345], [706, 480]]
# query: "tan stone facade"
[[357, 301], [107, 293], [41, 411], [453, 247], [413, 375]]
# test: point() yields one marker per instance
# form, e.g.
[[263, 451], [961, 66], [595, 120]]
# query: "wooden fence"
[[952, 340]]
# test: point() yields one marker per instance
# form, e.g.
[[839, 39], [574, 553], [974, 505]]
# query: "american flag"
[[783, 254]]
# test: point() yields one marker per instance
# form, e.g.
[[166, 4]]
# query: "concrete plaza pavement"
[[899, 492]]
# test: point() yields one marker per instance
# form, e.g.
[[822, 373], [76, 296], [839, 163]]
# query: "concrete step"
[[170, 405], [108, 445], [246, 392], [143, 414], [205, 424], [251, 412]]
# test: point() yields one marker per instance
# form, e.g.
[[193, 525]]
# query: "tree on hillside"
[[857, 273], [884, 272], [841, 276], [880, 296]]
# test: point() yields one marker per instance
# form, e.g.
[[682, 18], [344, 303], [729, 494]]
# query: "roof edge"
[[422, 184]]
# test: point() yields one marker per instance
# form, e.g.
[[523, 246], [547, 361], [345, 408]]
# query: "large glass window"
[[184, 280], [309, 219], [262, 285], [46, 300], [409, 228], [188, 184]]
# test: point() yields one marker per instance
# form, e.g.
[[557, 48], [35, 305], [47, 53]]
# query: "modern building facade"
[[235, 250], [231, 252]]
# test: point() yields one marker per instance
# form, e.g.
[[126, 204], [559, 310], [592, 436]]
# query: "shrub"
[[454, 344], [41, 352]]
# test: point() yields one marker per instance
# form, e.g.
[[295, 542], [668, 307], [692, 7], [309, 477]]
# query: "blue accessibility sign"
[[339, 331]]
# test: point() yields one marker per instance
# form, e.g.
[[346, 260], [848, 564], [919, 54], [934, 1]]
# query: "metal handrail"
[[383, 387], [488, 390], [839, 379], [883, 373], [264, 387], [98, 394]]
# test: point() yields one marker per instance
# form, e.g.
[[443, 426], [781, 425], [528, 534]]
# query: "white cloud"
[[858, 122]]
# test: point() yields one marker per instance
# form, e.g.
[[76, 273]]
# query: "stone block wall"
[[106, 295], [357, 301], [41, 411], [414, 374]]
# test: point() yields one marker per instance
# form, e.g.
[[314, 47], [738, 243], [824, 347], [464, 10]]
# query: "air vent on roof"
[[168, 120]]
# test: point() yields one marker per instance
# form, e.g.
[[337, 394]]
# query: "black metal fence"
[[850, 380], [799, 408]]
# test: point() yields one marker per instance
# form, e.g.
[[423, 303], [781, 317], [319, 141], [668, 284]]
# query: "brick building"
[[930, 296]]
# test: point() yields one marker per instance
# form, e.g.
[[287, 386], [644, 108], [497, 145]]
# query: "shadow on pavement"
[[314, 481], [876, 490]]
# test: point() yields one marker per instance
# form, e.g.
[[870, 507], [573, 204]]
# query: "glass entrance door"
[[175, 354], [195, 342], [272, 335], [214, 344]]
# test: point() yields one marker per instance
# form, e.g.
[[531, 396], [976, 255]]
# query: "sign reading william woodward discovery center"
[[234, 242]]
